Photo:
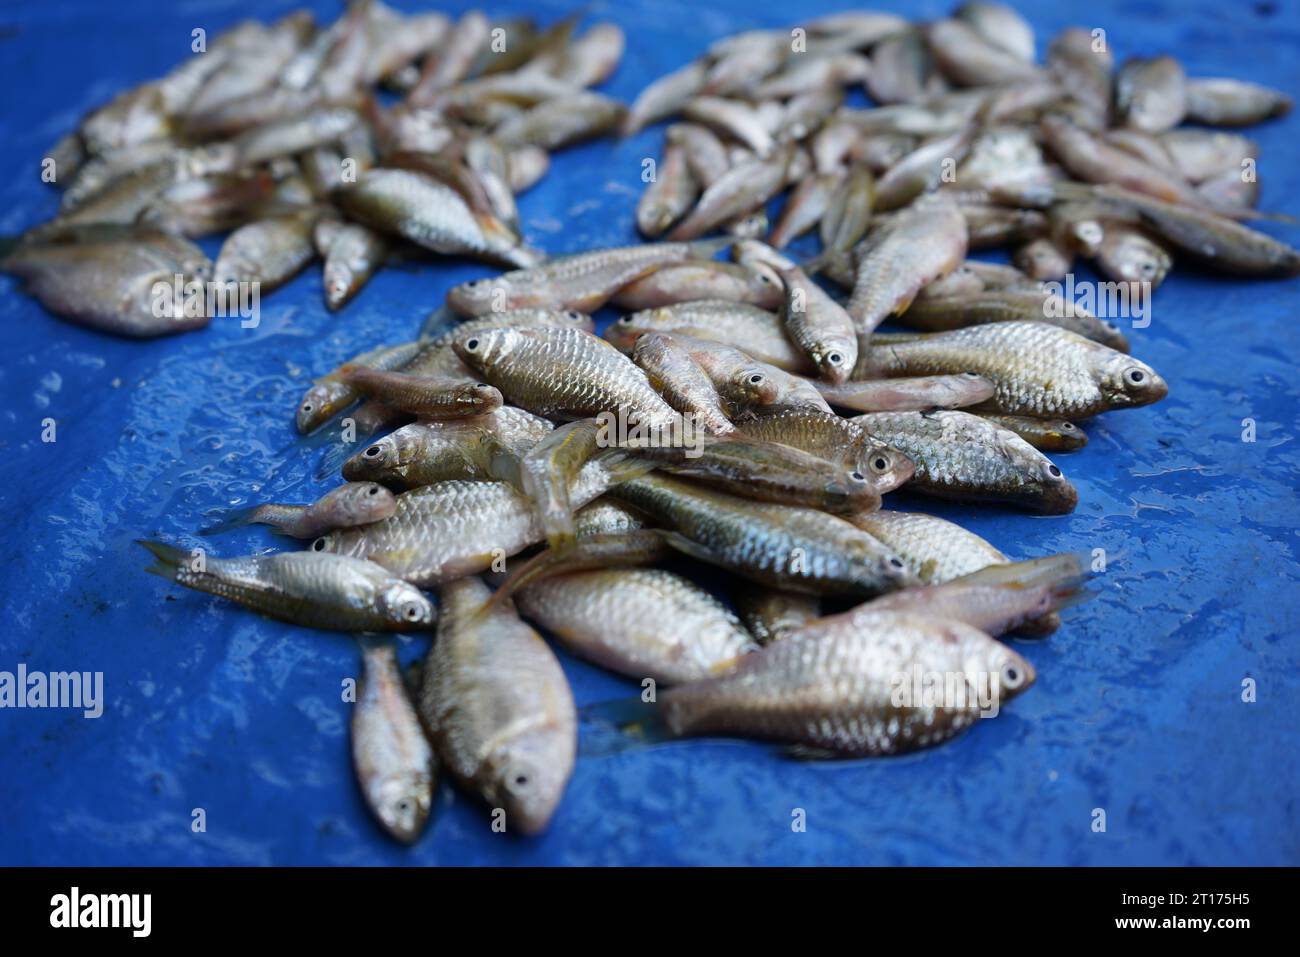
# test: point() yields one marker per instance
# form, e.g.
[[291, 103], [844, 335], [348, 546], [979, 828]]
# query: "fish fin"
[[169, 559], [806, 752], [622, 465], [687, 547], [625, 724], [7, 245], [231, 520]]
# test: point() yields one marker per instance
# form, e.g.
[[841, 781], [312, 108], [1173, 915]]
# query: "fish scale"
[[1036, 369], [564, 372], [962, 456], [838, 694]]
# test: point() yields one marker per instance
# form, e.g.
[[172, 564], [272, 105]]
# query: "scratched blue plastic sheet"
[[1138, 708]]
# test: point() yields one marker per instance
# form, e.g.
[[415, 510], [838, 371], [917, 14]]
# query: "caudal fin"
[[626, 724], [168, 559], [231, 520]]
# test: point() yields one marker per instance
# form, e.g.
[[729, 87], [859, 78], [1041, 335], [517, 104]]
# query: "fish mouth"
[[1060, 498]]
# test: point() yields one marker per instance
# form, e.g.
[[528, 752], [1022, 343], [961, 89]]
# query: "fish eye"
[[575, 316], [473, 283], [857, 476], [756, 378], [626, 320], [411, 611], [1053, 471], [318, 545], [1067, 427], [835, 358], [521, 780], [971, 374], [1147, 269], [471, 344], [879, 464], [372, 452], [764, 277], [1135, 376], [372, 490], [481, 386], [306, 406], [896, 562], [1012, 677]]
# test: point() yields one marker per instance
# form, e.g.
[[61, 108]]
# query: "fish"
[[329, 395], [673, 372], [706, 155], [499, 709], [1201, 154], [903, 70], [1081, 63], [815, 322], [808, 203], [999, 25], [920, 171], [665, 97], [1036, 369], [296, 134], [788, 547], [353, 254], [394, 762], [751, 328], [968, 58], [564, 372], [838, 687], [1049, 435], [1044, 259], [733, 119], [549, 469], [835, 439], [583, 281], [562, 121], [331, 592], [740, 190], [451, 61], [426, 397], [962, 456], [639, 622], [423, 453], [917, 394], [450, 529], [669, 196], [355, 503], [268, 251], [1227, 102], [1129, 255], [771, 615], [896, 261], [421, 210], [848, 216], [767, 472], [1151, 93], [703, 280], [745, 384], [124, 285], [1003, 305]]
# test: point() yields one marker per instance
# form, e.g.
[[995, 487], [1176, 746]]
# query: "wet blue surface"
[[1138, 708]]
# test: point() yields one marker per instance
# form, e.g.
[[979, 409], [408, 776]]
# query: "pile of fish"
[[275, 133], [693, 499]]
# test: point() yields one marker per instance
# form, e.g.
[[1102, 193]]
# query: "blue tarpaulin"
[[1138, 710]]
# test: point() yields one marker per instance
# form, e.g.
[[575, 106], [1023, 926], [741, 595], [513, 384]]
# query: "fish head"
[[624, 333], [887, 468], [477, 398], [478, 297], [402, 801], [890, 572], [321, 402], [528, 774], [481, 349], [1014, 674], [359, 503], [340, 280], [755, 385], [383, 459], [1126, 382], [406, 607], [850, 490], [575, 319]]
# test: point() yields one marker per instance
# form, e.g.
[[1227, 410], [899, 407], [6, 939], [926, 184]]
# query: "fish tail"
[[7, 245], [622, 725], [622, 465], [236, 518], [169, 559]]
